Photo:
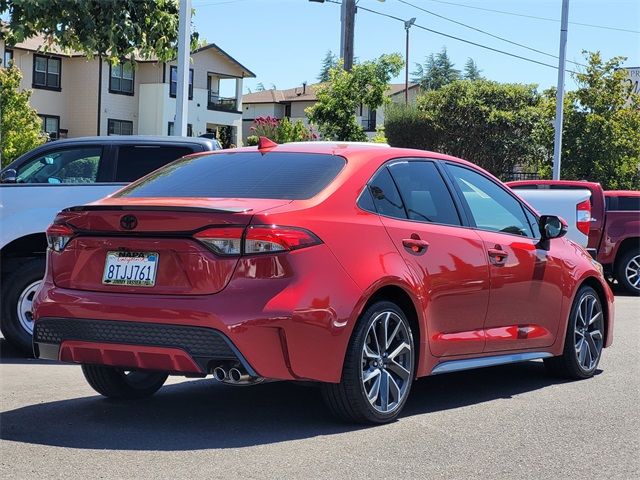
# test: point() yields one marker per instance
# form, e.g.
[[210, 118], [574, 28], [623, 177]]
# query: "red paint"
[[291, 313]]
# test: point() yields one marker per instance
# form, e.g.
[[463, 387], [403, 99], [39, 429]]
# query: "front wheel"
[[378, 369], [120, 384], [584, 340], [628, 271]]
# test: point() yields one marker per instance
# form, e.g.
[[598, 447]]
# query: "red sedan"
[[360, 267]]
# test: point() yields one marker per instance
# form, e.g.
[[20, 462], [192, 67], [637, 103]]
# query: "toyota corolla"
[[358, 267]]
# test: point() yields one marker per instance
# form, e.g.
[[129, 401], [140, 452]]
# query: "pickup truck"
[[54, 176], [614, 226]]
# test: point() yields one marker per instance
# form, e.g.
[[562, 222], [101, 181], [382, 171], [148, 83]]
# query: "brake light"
[[58, 235], [583, 216], [223, 241], [233, 241]]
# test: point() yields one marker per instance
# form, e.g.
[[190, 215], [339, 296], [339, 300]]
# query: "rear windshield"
[[277, 175]]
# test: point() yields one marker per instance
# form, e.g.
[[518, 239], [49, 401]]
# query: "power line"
[[453, 37], [605, 27], [486, 33]]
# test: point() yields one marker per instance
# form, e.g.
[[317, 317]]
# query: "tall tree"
[[471, 70], [446, 69], [20, 126], [438, 70], [344, 92], [113, 29], [330, 61]]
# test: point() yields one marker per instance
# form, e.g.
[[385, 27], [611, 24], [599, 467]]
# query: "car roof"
[[622, 193], [131, 139]]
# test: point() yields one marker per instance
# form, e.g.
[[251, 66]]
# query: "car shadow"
[[202, 414], [12, 356]]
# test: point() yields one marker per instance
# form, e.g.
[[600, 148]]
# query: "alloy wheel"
[[25, 306], [632, 271], [387, 362], [588, 332]]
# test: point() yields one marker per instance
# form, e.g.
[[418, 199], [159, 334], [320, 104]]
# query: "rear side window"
[[136, 161], [623, 203], [385, 195], [276, 175], [425, 195]]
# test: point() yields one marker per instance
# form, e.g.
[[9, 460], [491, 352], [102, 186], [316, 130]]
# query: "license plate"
[[131, 268]]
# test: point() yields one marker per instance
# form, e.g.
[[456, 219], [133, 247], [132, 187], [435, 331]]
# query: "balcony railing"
[[225, 104], [369, 124]]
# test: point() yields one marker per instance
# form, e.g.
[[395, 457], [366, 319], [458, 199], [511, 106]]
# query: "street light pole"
[[182, 80], [407, 26], [557, 143]]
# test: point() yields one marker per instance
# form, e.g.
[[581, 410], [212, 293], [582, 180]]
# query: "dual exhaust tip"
[[234, 376]]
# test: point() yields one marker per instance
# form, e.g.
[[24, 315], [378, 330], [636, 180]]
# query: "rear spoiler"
[[127, 208]]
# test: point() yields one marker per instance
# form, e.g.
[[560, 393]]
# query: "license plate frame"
[[130, 269]]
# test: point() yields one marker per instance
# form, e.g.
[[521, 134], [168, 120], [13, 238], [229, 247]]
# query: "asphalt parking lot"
[[504, 422]]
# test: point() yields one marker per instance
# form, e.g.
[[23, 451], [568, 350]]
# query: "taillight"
[[257, 239], [58, 235], [223, 241], [583, 216]]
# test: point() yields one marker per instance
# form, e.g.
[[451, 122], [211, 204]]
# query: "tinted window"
[[424, 193], [492, 207], [385, 195], [276, 175], [533, 222], [136, 161], [72, 165], [628, 203]]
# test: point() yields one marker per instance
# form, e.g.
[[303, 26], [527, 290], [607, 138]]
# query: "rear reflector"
[[257, 239], [58, 236], [583, 216]]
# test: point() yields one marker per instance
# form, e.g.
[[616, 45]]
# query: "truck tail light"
[[234, 241], [58, 235], [583, 216]]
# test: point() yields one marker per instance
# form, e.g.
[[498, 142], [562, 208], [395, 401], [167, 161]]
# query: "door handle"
[[415, 245], [497, 255]]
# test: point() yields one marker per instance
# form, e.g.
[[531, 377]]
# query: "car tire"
[[116, 383], [628, 271], [584, 339], [18, 289], [389, 366]]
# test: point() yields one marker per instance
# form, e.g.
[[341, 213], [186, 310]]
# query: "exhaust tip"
[[235, 375], [220, 374]]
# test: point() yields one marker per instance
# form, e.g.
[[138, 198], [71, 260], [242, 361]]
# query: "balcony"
[[223, 104]]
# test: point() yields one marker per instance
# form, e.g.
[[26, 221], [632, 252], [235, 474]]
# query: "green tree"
[[438, 70], [330, 61], [20, 126], [471, 70], [338, 98], [113, 29], [488, 123], [601, 129]]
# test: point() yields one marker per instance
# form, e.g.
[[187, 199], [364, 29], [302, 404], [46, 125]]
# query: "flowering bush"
[[282, 131]]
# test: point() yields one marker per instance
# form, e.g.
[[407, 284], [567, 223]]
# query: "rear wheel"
[[584, 340], [123, 384], [378, 369], [18, 291], [628, 271]]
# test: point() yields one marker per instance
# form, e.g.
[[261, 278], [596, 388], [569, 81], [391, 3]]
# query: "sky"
[[284, 41]]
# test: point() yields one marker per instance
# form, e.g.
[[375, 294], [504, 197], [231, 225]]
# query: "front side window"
[[424, 193], [51, 126], [46, 72], [491, 207], [173, 82], [119, 127], [71, 165], [121, 79]]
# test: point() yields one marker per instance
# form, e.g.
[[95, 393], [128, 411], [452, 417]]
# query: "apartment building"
[[76, 96]]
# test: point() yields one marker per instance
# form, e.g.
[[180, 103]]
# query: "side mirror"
[[9, 176], [552, 226]]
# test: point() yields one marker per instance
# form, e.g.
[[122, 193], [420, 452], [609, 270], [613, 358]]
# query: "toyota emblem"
[[129, 222]]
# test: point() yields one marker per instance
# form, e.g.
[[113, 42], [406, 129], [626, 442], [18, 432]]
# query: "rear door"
[[423, 221], [526, 280]]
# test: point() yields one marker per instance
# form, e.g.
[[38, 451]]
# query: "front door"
[[449, 260], [526, 298]]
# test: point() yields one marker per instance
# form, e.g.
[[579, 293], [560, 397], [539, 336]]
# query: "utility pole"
[[557, 143], [407, 26], [182, 80], [348, 22]]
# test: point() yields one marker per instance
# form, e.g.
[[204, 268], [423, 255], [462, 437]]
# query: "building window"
[[189, 129], [46, 72], [173, 82], [8, 58], [121, 78], [51, 126], [119, 127]]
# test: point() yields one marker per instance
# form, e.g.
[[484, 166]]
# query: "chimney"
[[304, 87]]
